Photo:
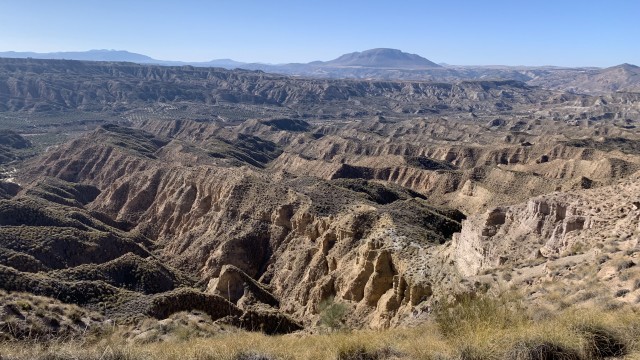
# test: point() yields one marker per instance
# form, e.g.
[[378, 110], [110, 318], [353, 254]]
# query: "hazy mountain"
[[91, 55], [374, 58], [118, 55], [225, 63], [382, 58]]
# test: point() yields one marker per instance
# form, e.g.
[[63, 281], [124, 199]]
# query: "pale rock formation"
[[547, 225]]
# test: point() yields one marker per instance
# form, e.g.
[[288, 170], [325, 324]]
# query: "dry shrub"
[[542, 350], [471, 312], [603, 342], [359, 352], [252, 356], [486, 329]]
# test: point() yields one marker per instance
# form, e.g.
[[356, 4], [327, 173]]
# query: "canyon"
[[140, 191]]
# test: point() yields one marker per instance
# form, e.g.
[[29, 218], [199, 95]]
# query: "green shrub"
[[24, 305], [332, 313]]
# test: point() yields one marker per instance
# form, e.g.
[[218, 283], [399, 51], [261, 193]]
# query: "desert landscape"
[[151, 211]]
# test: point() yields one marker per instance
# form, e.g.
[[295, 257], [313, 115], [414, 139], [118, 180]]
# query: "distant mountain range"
[[91, 55], [393, 64], [116, 55], [374, 58]]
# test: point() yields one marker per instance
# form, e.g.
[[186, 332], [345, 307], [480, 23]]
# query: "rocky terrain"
[[133, 192], [621, 78]]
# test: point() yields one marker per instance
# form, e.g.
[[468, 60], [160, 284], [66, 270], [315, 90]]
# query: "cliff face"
[[549, 227], [303, 239]]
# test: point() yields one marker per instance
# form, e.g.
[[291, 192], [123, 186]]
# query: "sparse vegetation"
[[486, 330], [624, 264], [332, 313]]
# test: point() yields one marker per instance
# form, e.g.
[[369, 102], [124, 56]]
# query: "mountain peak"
[[383, 58], [627, 66], [623, 68]]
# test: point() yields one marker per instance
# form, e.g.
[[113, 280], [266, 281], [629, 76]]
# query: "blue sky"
[[566, 33]]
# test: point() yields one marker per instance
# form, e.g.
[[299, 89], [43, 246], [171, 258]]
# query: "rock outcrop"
[[547, 226]]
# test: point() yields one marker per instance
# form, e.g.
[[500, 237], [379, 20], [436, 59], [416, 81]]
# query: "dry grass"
[[231, 346], [474, 328]]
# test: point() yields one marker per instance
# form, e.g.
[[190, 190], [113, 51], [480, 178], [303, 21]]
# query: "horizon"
[[462, 33], [285, 63]]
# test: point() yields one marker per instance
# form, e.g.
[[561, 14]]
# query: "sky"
[[481, 32]]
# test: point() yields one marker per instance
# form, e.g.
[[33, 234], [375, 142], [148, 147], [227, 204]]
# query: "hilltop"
[[624, 77], [382, 58]]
